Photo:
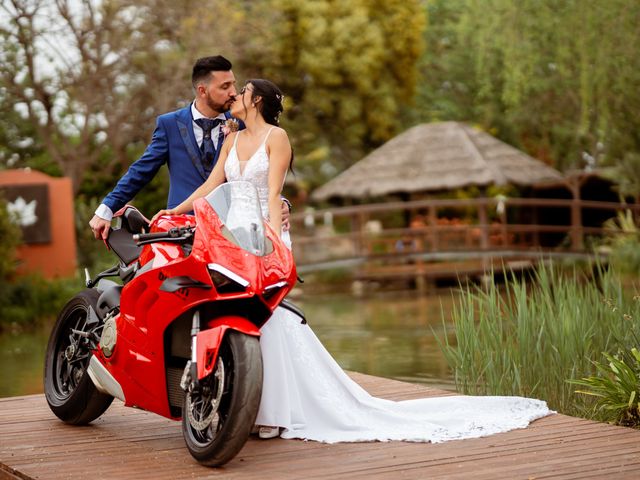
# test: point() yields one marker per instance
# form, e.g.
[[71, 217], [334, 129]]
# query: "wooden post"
[[577, 237], [535, 221], [432, 221], [483, 223], [362, 242], [504, 232], [356, 232], [483, 220]]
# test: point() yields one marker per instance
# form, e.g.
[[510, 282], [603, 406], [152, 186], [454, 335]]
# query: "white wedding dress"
[[307, 393]]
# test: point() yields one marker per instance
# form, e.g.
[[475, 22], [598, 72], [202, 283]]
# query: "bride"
[[305, 393]]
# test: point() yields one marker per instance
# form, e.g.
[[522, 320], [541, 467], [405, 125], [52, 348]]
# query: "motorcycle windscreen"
[[238, 207]]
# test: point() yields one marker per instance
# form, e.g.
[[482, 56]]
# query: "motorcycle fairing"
[[138, 360]]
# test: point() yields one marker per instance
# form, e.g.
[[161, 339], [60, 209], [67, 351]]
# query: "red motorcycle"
[[180, 335]]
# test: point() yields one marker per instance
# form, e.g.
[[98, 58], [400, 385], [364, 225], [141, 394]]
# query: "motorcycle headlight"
[[270, 291], [225, 280]]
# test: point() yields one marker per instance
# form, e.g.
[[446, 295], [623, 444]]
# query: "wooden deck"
[[131, 444]]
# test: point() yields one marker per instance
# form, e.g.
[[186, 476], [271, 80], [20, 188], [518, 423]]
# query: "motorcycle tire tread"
[[85, 403], [244, 408]]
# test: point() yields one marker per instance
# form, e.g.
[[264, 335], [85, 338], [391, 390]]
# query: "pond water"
[[388, 336]]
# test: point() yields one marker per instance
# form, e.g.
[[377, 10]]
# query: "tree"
[[92, 85], [89, 77], [348, 69], [557, 79]]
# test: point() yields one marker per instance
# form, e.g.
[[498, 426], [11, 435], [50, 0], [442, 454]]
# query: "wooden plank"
[[129, 443]]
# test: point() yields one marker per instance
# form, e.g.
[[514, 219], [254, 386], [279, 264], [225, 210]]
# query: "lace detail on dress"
[[256, 170]]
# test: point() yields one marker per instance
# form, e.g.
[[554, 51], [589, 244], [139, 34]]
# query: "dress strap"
[[235, 140], [267, 136]]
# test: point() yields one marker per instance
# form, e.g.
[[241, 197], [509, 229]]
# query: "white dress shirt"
[[199, 133]]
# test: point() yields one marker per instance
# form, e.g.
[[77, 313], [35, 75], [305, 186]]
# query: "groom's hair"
[[205, 65]]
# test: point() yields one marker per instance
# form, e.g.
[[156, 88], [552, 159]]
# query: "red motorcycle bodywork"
[[146, 311]]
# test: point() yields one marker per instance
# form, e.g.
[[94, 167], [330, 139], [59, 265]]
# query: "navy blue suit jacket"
[[173, 143]]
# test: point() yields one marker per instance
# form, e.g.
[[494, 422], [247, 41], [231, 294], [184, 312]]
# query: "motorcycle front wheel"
[[217, 418], [69, 391]]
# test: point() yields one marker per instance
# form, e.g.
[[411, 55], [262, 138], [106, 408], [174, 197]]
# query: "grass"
[[530, 338]]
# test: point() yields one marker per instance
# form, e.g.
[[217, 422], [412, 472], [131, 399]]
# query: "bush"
[[616, 388], [29, 301]]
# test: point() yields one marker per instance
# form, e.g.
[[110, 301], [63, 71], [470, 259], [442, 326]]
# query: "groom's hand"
[[285, 216], [100, 227]]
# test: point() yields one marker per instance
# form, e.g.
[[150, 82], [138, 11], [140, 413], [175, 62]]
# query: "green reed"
[[530, 336]]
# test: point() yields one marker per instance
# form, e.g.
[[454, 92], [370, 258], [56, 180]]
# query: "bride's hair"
[[271, 105]]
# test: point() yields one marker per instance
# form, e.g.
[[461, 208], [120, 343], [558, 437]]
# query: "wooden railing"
[[453, 227]]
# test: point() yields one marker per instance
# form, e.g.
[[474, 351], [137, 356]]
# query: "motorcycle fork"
[[189, 381], [202, 362]]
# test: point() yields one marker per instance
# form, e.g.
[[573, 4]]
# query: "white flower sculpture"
[[23, 213]]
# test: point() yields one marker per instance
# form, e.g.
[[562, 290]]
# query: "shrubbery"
[[30, 300], [26, 301], [616, 388]]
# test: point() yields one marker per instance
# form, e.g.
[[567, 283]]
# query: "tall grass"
[[531, 336]]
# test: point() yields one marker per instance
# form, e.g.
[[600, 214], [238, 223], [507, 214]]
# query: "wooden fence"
[[386, 237]]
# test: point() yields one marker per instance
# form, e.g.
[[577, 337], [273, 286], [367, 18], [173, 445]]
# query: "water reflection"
[[22, 361], [388, 336]]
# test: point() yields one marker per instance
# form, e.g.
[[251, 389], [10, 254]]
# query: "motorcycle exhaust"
[[103, 380]]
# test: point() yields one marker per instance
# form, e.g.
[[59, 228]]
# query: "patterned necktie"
[[207, 148]]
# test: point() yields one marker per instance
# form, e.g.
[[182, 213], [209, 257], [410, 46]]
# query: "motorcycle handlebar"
[[172, 235], [141, 237]]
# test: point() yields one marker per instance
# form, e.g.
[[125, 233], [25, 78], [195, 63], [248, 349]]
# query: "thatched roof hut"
[[436, 157]]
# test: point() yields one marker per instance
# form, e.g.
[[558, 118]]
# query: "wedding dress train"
[[307, 393]]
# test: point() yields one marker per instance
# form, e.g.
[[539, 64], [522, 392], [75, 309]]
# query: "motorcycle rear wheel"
[[69, 390], [216, 431]]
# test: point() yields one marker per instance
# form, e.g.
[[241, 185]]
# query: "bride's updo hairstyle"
[[271, 105]]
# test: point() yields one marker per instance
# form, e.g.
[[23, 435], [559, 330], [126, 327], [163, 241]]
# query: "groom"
[[187, 140]]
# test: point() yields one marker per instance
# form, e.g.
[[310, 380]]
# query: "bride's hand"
[[170, 211]]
